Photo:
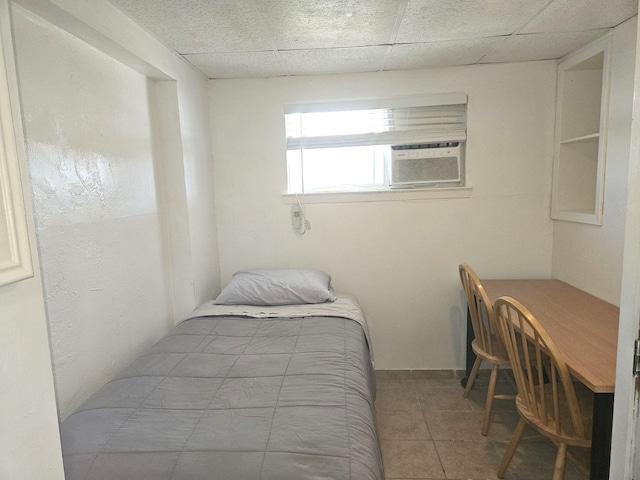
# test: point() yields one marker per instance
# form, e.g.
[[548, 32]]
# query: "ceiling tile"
[[264, 38], [312, 24], [238, 65], [201, 26], [334, 60], [539, 46], [438, 20], [439, 54], [573, 15]]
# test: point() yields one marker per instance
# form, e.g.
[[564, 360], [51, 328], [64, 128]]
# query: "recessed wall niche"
[[581, 135]]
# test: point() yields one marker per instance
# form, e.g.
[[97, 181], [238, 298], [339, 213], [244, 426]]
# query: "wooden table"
[[585, 330]]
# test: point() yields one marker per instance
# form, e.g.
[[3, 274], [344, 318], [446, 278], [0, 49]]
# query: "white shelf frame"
[[595, 216]]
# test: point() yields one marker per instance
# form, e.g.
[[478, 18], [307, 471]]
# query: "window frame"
[[426, 134]]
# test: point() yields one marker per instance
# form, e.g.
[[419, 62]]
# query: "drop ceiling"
[[267, 38]]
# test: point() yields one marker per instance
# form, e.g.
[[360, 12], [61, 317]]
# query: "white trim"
[[426, 100], [624, 442], [389, 195], [15, 253]]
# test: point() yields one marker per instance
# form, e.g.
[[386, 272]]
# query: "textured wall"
[[30, 440], [98, 224], [400, 258]]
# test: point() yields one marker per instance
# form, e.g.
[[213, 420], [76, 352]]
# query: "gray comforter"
[[234, 398]]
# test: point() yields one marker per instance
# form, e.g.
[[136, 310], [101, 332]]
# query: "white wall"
[[30, 442], [99, 227], [399, 258], [120, 166], [590, 256]]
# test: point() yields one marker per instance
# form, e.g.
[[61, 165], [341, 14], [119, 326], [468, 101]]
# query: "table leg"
[[601, 436], [470, 354]]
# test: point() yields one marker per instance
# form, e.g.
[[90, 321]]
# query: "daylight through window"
[[376, 145]]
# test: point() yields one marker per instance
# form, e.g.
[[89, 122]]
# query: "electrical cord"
[[299, 221]]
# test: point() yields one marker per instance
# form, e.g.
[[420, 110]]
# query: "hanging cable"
[[299, 221]]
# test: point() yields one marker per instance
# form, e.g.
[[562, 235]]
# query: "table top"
[[583, 327]]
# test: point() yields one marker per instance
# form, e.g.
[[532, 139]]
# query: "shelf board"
[[590, 217], [583, 138]]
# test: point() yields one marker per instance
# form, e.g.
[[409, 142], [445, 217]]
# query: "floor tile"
[[468, 460], [502, 425], [411, 459], [453, 425], [433, 374], [386, 384], [504, 386], [442, 398], [413, 409], [402, 425], [434, 382], [534, 460], [397, 399]]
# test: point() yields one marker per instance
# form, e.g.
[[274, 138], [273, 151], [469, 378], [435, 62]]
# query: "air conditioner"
[[425, 164]]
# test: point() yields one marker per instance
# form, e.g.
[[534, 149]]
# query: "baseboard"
[[401, 374]]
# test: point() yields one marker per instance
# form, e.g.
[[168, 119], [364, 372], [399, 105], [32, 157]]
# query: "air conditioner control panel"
[[426, 150]]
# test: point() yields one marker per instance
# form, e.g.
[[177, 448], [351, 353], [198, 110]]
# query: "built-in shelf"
[[581, 132]]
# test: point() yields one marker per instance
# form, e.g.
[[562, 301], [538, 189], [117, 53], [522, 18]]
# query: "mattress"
[[246, 396]]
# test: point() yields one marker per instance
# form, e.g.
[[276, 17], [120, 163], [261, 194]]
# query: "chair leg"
[[472, 377], [488, 404], [511, 448], [561, 458]]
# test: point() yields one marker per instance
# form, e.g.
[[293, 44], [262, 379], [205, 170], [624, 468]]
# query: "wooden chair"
[[486, 345], [546, 398]]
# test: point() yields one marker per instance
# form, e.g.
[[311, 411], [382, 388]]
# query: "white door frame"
[[624, 442]]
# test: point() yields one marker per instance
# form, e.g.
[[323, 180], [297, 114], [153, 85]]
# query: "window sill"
[[379, 195]]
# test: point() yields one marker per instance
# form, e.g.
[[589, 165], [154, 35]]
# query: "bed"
[[238, 391]]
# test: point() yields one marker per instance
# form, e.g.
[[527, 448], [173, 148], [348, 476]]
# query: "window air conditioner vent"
[[425, 164]]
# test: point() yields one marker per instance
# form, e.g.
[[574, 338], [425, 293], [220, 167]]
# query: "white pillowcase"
[[277, 287]]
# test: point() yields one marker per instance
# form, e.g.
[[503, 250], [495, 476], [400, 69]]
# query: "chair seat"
[[499, 356], [567, 434]]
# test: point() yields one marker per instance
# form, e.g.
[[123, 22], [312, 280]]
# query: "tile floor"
[[427, 430]]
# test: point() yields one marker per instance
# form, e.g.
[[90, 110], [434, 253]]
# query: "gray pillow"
[[277, 287]]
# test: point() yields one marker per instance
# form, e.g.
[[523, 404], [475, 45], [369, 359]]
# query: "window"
[[376, 145]]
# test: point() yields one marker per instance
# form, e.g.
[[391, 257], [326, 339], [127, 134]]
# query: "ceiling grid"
[[268, 38]]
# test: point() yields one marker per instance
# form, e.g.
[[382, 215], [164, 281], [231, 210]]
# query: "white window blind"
[[375, 126]]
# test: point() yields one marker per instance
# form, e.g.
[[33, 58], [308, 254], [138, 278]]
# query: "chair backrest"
[[544, 384], [481, 311]]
